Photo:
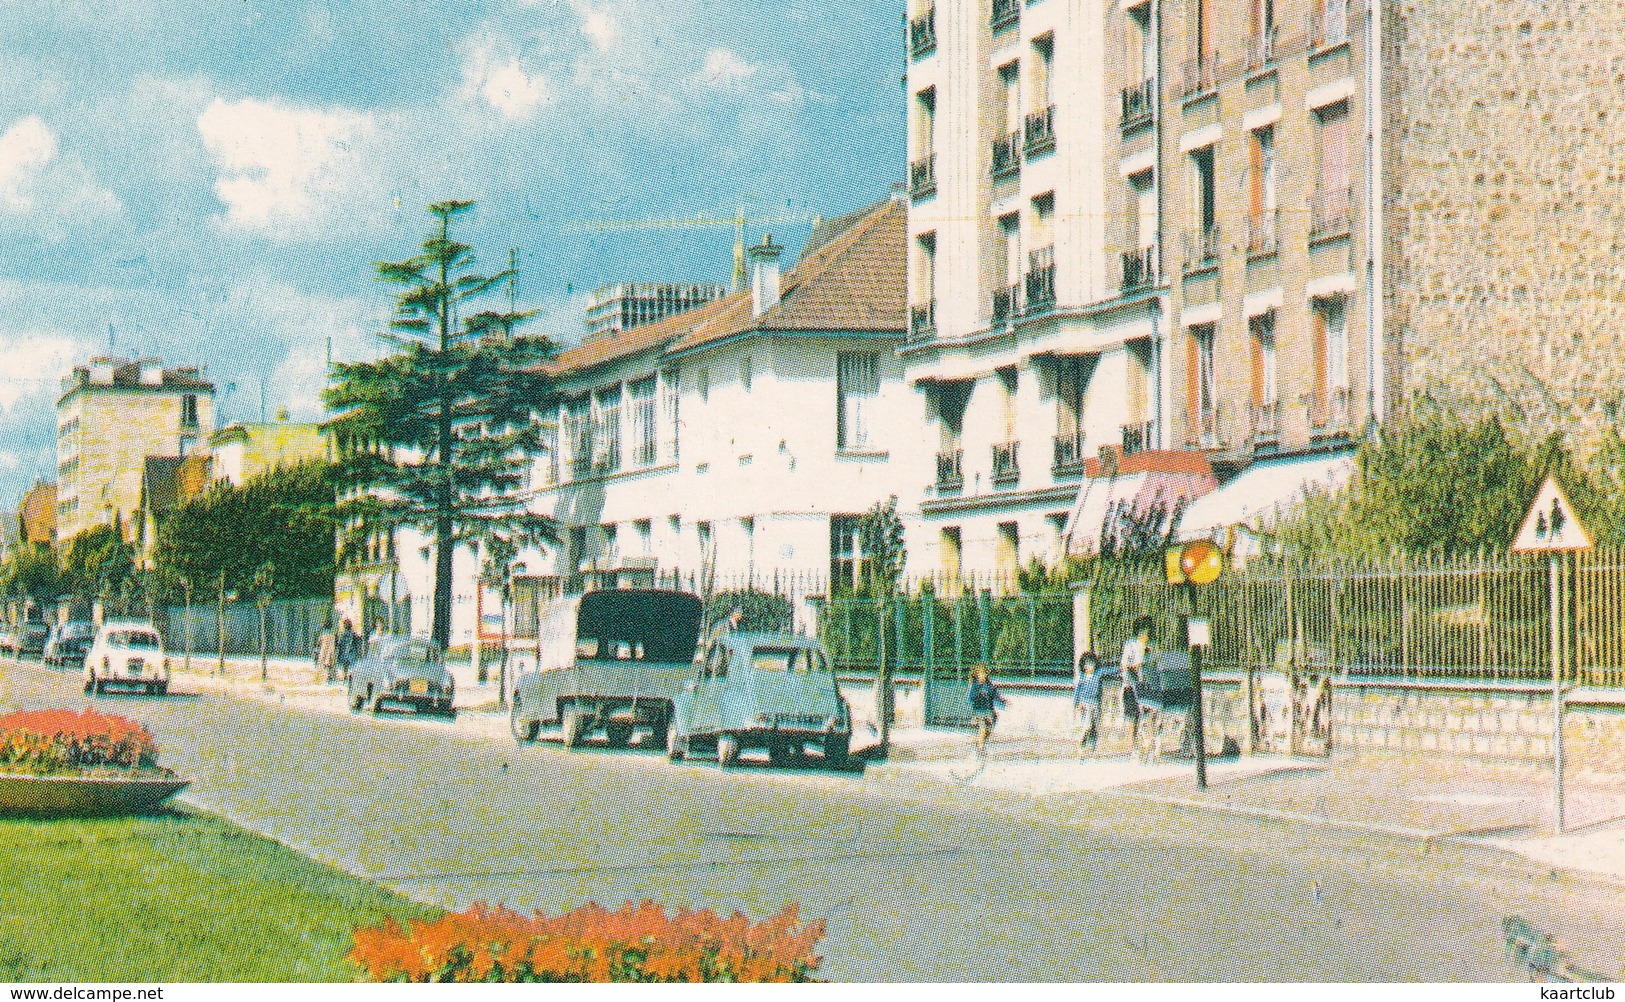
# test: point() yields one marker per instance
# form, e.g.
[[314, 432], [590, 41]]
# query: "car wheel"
[[676, 744], [90, 686], [357, 701], [835, 750], [572, 726], [163, 688], [618, 735], [778, 754], [727, 751]]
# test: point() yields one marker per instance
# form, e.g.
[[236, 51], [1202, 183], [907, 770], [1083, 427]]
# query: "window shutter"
[[1334, 149], [1193, 385], [1317, 332], [1258, 363], [1255, 175]]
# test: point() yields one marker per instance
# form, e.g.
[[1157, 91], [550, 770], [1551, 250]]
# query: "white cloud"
[[601, 28], [32, 365], [724, 68], [503, 83], [287, 172], [36, 180]]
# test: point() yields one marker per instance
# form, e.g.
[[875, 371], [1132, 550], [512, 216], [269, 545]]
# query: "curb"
[[1265, 813]]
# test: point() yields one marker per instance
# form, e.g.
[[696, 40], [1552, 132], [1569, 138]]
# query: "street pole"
[[220, 624], [884, 696], [1557, 695], [1196, 680]]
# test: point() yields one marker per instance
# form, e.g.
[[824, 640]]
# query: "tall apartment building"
[[113, 413], [1250, 229], [621, 307]]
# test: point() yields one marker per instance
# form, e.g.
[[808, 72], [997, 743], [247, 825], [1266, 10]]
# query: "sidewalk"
[[1438, 799]]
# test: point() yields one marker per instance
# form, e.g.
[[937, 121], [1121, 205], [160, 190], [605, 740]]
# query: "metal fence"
[[291, 628]]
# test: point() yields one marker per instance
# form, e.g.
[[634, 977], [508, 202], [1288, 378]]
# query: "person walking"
[[1137, 653], [346, 648], [985, 700], [1087, 682]]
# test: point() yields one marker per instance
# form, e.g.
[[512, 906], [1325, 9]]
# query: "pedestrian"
[[327, 655], [1086, 702], [346, 648], [1137, 653], [728, 625], [985, 700]]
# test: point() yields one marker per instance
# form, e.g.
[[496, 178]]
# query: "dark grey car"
[[401, 672], [68, 643]]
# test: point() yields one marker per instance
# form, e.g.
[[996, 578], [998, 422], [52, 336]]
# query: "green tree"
[[456, 398], [880, 533], [283, 516], [31, 571], [98, 562]]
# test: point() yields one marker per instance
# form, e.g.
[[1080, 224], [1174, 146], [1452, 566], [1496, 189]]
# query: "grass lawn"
[[178, 897]]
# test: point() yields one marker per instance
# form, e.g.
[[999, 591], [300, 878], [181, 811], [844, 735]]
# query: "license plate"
[[420, 687]]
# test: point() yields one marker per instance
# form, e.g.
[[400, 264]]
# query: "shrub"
[[638, 943], [62, 741]]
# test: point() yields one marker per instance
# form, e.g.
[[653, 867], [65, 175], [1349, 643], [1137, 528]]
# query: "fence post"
[[982, 595], [220, 626]]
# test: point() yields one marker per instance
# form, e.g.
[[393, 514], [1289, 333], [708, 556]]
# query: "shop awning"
[[1141, 482], [1265, 493]]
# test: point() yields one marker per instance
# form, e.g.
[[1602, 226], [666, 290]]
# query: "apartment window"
[[1261, 34], [1331, 208], [606, 430], [578, 546], [1040, 281], [1202, 385], [1140, 264], [1329, 329], [670, 414], [1329, 24], [1200, 68], [857, 389], [1038, 129], [922, 181], [702, 531], [1071, 376], [1006, 289], [1265, 394], [642, 404], [845, 551], [922, 318], [609, 549], [1007, 553], [1202, 243], [950, 400], [1141, 45], [1007, 140], [953, 553], [1006, 456], [189, 410], [550, 451], [577, 421], [1262, 215]]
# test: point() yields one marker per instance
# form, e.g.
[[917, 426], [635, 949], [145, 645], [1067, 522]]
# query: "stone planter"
[[28, 796]]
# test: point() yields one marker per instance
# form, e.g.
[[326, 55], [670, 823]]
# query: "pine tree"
[[457, 400]]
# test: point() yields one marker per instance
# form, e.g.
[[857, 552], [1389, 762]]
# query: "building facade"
[[239, 452], [113, 413], [621, 307]]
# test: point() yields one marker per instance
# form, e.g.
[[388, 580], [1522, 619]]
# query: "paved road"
[[917, 882]]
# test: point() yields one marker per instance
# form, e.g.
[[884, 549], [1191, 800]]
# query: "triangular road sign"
[[1551, 525]]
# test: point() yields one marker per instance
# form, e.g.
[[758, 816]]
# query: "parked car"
[[763, 690], [401, 671], [69, 642], [127, 654], [31, 638], [610, 661]]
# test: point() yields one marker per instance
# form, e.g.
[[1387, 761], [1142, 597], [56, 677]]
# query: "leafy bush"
[[760, 611], [61, 741], [638, 943]]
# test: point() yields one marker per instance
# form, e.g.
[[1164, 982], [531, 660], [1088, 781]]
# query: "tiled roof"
[[850, 280]]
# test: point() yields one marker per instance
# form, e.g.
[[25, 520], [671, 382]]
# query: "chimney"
[[764, 275]]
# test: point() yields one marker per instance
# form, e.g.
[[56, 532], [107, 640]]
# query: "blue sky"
[[211, 181]]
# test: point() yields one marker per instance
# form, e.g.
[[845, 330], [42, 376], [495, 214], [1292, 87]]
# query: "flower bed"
[[63, 742], [591, 944]]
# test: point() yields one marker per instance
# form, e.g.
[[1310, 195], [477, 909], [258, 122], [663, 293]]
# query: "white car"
[[127, 653]]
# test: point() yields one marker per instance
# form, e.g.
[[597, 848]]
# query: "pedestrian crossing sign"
[[1551, 525]]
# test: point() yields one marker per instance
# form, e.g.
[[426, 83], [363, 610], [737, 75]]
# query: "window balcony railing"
[[1006, 305], [1267, 419], [1006, 14], [1007, 156], [580, 467], [922, 177], [1039, 133], [1139, 436], [922, 321], [1262, 237], [1202, 248], [1200, 75], [1329, 26], [1140, 268], [1331, 213], [1261, 49], [643, 453], [1040, 280], [1069, 455], [950, 469], [1207, 428], [1006, 462], [1139, 104], [922, 34]]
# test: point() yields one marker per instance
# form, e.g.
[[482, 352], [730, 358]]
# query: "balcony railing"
[[1007, 156], [1140, 268], [922, 34], [1069, 455], [922, 321], [1200, 75], [1006, 462], [1039, 132], [1207, 428], [1006, 305], [1040, 281], [1267, 419], [1331, 213], [1202, 248], [1140, 436], [950, 469], [1262, 238], [1329, 26], [1261, 49], [1006, 14], [922, 177], [1139, 104]]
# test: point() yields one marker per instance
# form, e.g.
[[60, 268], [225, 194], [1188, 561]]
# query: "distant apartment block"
[[242, 451], [621, 307], [36, 514], [113, 413]]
